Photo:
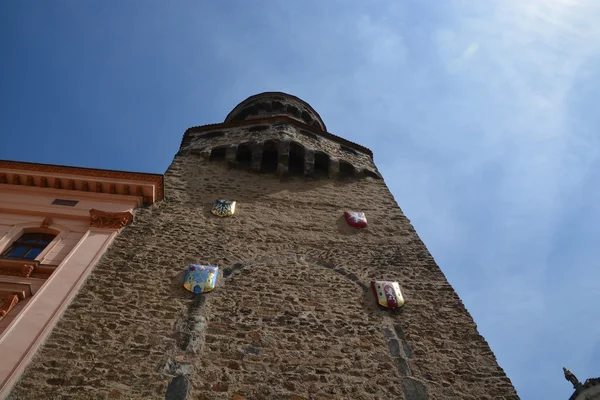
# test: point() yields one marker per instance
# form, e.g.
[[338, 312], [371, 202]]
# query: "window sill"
[[17, 267]]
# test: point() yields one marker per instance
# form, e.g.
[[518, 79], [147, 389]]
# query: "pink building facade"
[[55, 223]]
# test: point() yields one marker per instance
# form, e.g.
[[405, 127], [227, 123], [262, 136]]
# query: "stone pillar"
[[309, 162], [257, 151], [283, 160], [334, 168], [230, 155]]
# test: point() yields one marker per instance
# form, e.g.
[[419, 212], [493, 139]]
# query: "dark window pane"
[[47, 238], [17, 251], [29, 245], [40, 238], [62, 202], [29, 238], [33, 253]]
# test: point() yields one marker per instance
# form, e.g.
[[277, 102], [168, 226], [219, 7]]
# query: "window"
[[29, 246], [243, 156], [217, 154], [270, 157], [346, 169], [62, 202], [321, 164], [296, 159]]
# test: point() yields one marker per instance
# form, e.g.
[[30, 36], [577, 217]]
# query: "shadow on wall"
[[249, 172], [271, 155], [247, 187]]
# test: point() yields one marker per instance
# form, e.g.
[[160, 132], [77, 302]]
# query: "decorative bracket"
[[46, 222], [7, 303], [104, 219]]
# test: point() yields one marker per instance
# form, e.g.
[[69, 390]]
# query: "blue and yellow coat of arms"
[[223, 208], [200, 278]]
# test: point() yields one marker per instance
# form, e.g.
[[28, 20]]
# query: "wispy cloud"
[[482, 117]]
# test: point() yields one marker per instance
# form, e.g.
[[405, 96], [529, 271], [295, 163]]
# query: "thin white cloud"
[[513, 69], [454, 54], [383, 47], [474, 112]]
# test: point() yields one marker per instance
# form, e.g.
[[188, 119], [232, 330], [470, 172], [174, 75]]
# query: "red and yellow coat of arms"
[[388, 294]]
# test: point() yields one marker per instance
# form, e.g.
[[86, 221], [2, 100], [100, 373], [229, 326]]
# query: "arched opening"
[[306, 118], [217, 154], [321, 164], [346, 170], [243, 156], [277, 106], [293, 110], [270, 157], [246, 112], [370, 174], [296, 159]]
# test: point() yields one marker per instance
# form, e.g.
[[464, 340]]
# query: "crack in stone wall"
[[190, 332], [294, 258]]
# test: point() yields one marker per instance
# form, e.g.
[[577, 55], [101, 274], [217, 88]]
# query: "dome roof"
[[270, 104]]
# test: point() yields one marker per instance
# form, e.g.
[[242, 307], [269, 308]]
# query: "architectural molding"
[[41, 175], [22, 268], [104, 219], [46, 222], [7, 303], [19, 229], [121, 198], [80, 215]]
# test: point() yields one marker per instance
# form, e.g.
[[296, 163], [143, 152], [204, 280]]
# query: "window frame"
[[19, 230], [42, 242]]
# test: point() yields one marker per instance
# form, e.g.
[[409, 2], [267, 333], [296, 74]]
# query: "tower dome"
[[270, 104]]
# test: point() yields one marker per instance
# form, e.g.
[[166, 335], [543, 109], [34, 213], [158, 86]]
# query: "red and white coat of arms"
[[356, 219]]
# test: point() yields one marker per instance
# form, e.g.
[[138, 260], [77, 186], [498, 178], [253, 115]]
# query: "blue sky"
[[481, 116]]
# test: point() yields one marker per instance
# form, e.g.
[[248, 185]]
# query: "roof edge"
[[266, 94], [157, 179]]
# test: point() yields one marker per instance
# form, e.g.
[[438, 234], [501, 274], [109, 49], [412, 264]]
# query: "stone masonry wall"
[[291, 317], [203, 142]]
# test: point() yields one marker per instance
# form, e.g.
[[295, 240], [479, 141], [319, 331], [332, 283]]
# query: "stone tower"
[[292, 315]]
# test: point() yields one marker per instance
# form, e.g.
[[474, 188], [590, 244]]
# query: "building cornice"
[[83, 181], [118, 198]]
